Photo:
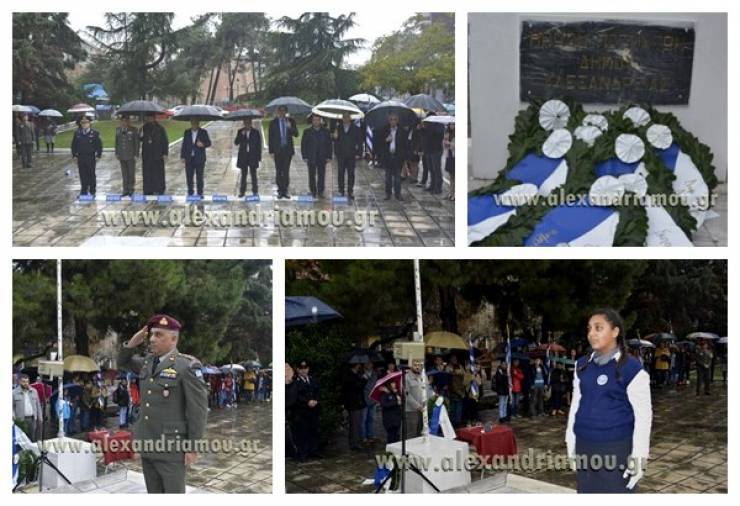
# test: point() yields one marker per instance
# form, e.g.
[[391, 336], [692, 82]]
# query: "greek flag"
[[473, 383]]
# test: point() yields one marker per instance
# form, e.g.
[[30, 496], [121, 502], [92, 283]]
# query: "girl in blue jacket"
[[608, 432]]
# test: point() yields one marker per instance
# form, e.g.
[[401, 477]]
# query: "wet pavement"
[[688, 451], [248, 471], [46, 211]]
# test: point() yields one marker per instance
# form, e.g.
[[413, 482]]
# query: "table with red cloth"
[[115, 446], [500, 441]]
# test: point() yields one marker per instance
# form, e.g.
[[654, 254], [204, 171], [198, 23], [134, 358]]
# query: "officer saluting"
[[86, 148], [174, 404]]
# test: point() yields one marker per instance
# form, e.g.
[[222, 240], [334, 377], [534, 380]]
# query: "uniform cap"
[[163, 321]]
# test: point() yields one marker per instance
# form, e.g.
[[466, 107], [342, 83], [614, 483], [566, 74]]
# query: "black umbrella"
[[378, 116], [140, 107], [426, 102], [197, 112], [243, 114], [304, 310], [295, 105], [659, 337]]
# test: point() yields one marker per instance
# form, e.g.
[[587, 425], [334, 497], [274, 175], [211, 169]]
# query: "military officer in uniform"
[[86, 148], [174, 404], [127, 151]]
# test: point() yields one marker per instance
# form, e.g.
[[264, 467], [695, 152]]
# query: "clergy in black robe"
[[154, 150]]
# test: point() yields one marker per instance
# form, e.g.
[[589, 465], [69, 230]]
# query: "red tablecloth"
[[500, 441], [116, 446]]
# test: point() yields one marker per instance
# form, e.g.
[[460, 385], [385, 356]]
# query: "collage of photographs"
[[293, 140]]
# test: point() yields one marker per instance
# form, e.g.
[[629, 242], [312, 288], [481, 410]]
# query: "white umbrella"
[[443, 119], [703, 335], [365, 98], [554, 114], [629, 148], [660, 136], [558, 143], [22, 108], [51, 113], [587, 134], [79, 108], [638, 115], [606, 191], [335, 108], [232, 367], [722, 340], [597, 120]]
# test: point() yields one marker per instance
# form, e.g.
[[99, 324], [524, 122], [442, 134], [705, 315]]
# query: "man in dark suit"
[[393, 143], [347, 145], [280, 145], [432, 136], [248, 160], [193, 155], [317, 152], [87, 148], [305, 414]]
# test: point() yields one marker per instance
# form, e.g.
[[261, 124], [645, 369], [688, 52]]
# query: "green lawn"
[[107, 129]]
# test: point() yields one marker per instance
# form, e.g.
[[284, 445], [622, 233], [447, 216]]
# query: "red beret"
[[163, 321]]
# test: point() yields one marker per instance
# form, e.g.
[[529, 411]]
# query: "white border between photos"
[[461, 8]]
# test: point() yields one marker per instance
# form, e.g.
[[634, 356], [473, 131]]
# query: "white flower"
[[638, 115], [606, 191], [634, 183], [558, 143], [554, 114], [629, 148], [660, 136], [587, 134], [597, 120]]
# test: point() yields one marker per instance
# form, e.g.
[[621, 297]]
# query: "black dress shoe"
[[241, 195]]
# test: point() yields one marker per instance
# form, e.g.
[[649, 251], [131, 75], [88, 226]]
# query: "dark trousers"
[[49, 147], [425, 165], [393, 165], [193, 170], [702, 377], [243, 182], [306, 433], [86, 166], [413, 424], [282, 171], [26, 155], [316, 176], [347, 165], [435, 172], [606, 478], [392, 433], [163, 477], [355, 428]]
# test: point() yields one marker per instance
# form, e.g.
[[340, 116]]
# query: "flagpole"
[[419, 337], [60, 353], [508, 361]]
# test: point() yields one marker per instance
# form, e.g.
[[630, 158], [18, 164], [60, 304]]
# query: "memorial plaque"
[[606, 62]]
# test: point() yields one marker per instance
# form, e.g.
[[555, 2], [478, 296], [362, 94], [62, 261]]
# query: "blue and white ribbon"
[[575, 225]]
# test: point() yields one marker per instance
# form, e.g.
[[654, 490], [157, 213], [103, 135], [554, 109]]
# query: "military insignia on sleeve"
[[168, 373]]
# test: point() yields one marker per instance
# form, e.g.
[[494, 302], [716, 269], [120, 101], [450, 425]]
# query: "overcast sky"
[[370, 25]]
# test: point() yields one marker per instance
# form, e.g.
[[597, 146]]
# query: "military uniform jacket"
[[87, 144], [174, 401], [127, 143]]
